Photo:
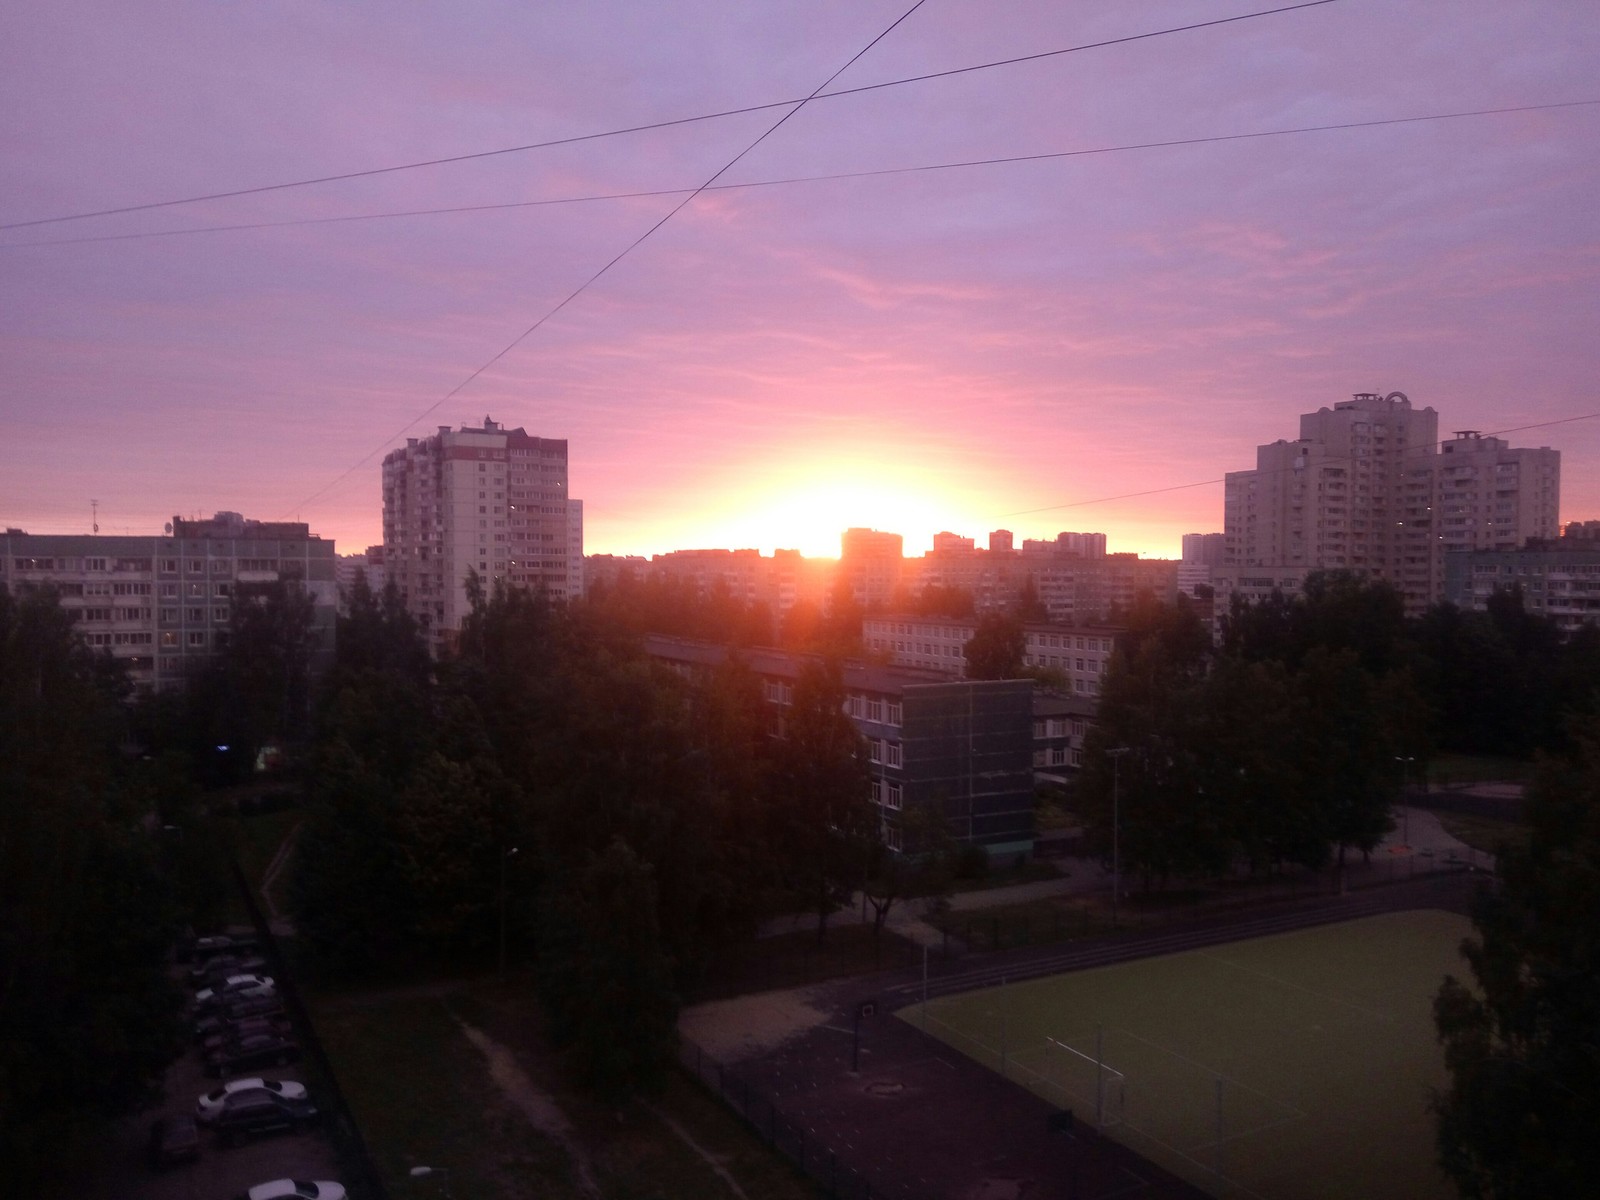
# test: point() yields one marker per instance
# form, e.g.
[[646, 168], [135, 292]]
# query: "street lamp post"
[[1115, 755], [504, 858], [1405, 802]]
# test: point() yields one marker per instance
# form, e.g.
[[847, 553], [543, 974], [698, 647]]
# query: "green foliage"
[[87, 1016], [997, 649], [821, 790], [608, 980], [1520, 1114]]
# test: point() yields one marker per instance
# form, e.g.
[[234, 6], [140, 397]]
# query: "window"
[[892, 795], [893, 712], [197, 639], [891, 754], [220, 613], [875, 710], [874, 750], [97, 614], [169, 591], [169, 639], [891, 837], [94, 564]]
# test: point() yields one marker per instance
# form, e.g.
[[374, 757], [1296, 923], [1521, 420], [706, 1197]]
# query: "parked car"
[[215, 1020], [210, 1103], [295, 1189], [173, 1139], [233, 1031], [235, 986], [257, 1050], [257, 1111], [212, 970]]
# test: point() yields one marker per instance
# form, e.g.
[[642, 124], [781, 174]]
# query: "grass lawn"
[[423, 1094], [1319, 1046], [1482, 833], [1446, 770]]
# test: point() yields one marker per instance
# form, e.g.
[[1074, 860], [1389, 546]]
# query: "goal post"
[[1089, 1079]]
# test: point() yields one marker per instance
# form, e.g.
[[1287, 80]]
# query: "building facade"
[[963, 748], [489, 500], [1559, 579], [1081, 653], [163, 605], [1368, 487]]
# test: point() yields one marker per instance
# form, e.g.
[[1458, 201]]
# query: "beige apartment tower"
[[491, 500], [1368, 487]]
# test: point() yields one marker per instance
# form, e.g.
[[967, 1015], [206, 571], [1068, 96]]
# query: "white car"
[[236, 985], [210, 1104], [296, 1189]]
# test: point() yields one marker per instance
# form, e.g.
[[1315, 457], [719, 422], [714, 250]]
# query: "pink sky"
[[915, 352]]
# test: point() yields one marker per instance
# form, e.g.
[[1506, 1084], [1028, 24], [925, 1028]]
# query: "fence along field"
[[1291, 1067]]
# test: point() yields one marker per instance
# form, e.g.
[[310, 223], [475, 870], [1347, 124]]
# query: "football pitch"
[[1291, 1067]]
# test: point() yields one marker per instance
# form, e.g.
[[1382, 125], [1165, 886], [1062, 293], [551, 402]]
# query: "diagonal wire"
[[618, 257], [1046, 156], [653, 125]]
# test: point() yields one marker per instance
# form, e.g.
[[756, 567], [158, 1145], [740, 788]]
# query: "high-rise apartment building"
[[1368, 487], [489, 500]]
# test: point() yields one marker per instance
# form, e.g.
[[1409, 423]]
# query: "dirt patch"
[[543, 1113], [747, 1026]]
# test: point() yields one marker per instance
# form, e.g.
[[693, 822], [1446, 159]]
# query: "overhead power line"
[[655, 125], [1045, 156], [623, 253], [1181, 487]]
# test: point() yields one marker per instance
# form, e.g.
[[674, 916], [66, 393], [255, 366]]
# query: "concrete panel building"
[[1368, 487], [963, 748], [491, 500], [162, 605]]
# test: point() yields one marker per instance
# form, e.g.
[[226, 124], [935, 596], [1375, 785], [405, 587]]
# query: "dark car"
[[233, 1031], [173, 1139], [247, 1053], [216, 1021], [258, 1111]]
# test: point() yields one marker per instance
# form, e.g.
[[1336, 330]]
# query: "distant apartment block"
[[962, 748], [368, 565], [1081, 654], [162, 605], [491, 500], [869, 564], [1559, 579], [1368, 487]]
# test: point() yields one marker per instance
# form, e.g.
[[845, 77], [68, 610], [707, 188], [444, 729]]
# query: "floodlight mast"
[[1115, 755]]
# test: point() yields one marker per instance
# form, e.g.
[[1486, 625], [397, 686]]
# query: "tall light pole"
[[504, 858], [1405, 802], [1115, 755]]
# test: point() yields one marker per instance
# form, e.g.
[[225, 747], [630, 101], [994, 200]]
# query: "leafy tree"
[[87, 1016], [925, 870], [822, 785], [1518, 1118], [262, 684], [997, 649], [608, 982]]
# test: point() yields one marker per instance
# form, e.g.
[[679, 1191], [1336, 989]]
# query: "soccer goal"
[[1088, 1079]]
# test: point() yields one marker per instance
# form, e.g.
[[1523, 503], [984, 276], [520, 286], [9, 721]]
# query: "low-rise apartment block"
[[162, 605], [964, 748]]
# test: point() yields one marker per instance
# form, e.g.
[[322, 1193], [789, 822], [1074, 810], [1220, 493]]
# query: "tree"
[[925, 870], [88, 1018], [1519, 1116], [608, 978], [997, 649], [822, 783]]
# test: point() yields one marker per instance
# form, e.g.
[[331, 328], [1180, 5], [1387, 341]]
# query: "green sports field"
[[1292, 1067]]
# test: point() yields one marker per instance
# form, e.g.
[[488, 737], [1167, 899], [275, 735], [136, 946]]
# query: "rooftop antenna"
[[94, 506]]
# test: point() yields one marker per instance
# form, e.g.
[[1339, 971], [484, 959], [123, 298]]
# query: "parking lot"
[[219, 1172]]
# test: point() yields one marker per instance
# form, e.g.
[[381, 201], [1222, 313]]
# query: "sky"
[[1026, 345]]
